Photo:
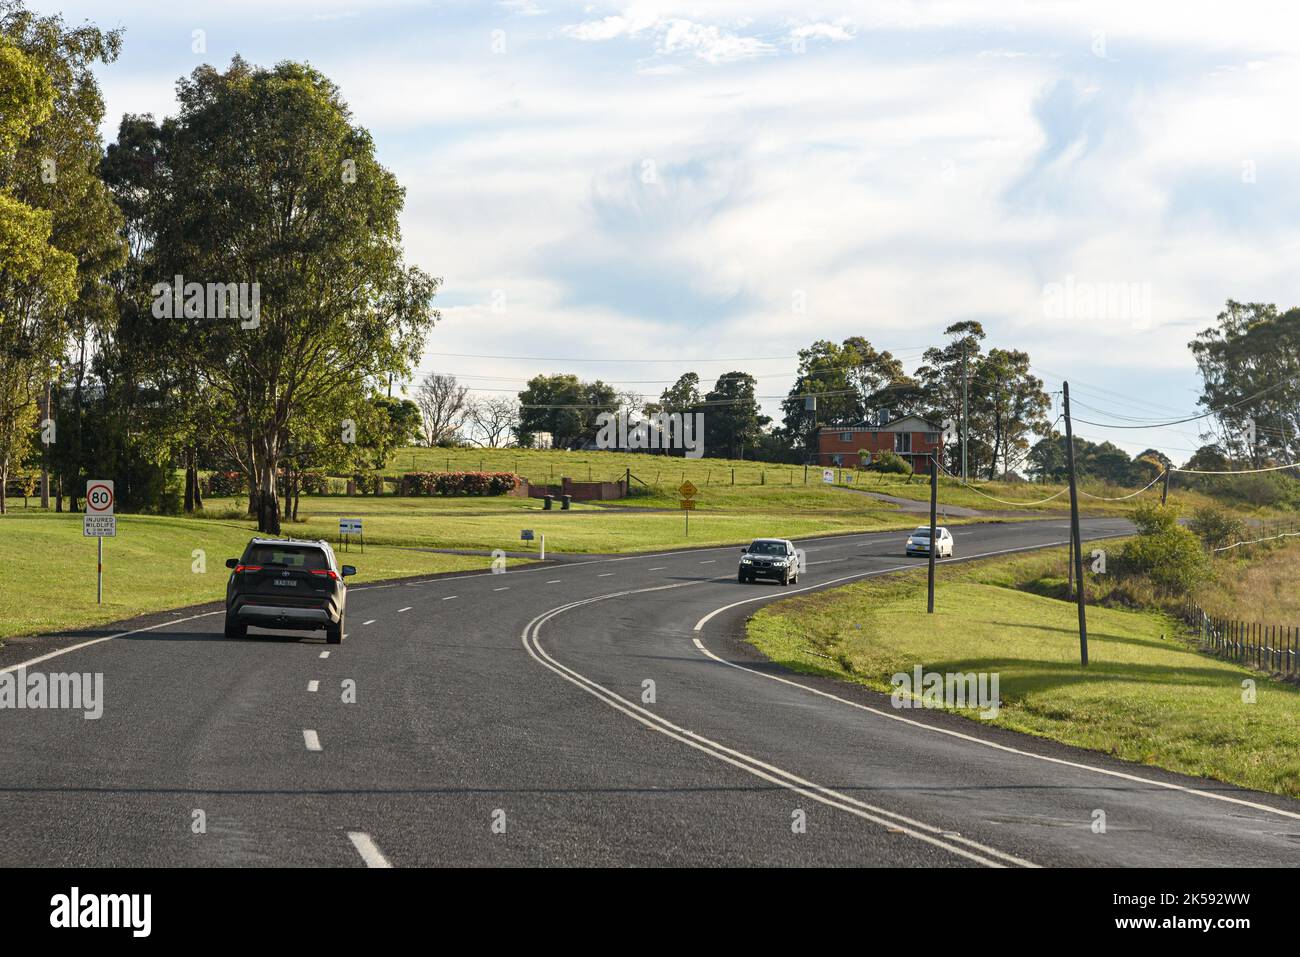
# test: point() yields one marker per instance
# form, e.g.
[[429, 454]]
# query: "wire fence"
[[1266, 647]]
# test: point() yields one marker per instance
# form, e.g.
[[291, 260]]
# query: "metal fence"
[[1266, 647]]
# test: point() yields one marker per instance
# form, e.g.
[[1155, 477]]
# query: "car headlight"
[[747, 561], [910, 543]]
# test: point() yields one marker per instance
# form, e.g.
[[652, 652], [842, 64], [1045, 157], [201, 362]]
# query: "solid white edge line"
[[970, 737], [367, 849], [889, 819], [311, 739], [95, 641]]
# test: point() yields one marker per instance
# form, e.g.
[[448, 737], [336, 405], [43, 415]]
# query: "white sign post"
[[99, 522]]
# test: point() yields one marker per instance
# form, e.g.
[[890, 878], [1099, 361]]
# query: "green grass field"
[[487, 523], [1147, 695], [47, 569]]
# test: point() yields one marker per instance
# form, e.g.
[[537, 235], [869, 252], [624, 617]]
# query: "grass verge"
[[47, 569], [1147, 696]]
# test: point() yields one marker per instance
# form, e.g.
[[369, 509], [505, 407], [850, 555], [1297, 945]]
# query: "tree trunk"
[[189, 484], [268, 511], [198, 488], [4, 484]]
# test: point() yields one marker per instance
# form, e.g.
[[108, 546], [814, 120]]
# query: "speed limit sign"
[[99, 497]]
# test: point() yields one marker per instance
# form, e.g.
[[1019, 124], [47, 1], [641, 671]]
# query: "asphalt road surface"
[[502, 720]]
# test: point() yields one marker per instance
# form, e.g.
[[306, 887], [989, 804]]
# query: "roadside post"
[[99, 523], [1076, 546], [688, 492], [934, 500], [526, 535], [349, 527]]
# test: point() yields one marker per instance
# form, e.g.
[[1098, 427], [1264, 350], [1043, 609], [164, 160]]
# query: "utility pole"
[[1164, 488], [965, 412], [45, 450], [1076, 546], [934, 499]]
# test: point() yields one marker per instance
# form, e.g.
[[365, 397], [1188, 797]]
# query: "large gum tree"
[[268, 181]]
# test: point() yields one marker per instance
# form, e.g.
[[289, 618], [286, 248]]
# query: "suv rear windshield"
[[767, 548], [288, 556]]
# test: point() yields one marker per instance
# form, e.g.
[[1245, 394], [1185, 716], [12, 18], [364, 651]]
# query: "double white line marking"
[[890, 820]]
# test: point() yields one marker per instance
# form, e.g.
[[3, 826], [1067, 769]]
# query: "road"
[[499, 720]]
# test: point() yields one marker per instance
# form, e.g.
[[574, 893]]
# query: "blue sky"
[[713, 186]]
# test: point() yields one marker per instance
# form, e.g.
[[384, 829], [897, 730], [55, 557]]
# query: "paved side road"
[[507, 719]]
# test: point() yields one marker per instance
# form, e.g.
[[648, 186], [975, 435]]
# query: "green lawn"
[[1147, 695], [495, 522], [47, 569]]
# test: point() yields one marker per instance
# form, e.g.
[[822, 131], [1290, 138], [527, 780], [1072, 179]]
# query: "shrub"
[[1163, 551], [226, 484], [890, 462], [1216, 527], [458, 483], [313, 483]]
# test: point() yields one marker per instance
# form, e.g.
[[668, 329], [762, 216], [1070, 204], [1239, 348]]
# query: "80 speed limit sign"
[[99, 497]]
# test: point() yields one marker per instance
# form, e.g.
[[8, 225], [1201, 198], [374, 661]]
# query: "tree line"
[[224, 286]]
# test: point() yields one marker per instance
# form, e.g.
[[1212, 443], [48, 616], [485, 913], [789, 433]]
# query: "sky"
[[631, 191]]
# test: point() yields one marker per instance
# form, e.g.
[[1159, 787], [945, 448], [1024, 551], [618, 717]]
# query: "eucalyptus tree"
[[275, 203]]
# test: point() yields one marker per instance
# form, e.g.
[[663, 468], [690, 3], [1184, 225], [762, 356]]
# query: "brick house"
[[911, 436]]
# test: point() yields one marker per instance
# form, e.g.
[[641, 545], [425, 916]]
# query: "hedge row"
[[224, 484], [458, 483]]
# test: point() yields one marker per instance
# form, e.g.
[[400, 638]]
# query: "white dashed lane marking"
[[311, 739], [313, 685], [604, 574], [400, 610], [555, 581], [502, 588], [370, 622], [449, 597], [367, 849], [324, 654]]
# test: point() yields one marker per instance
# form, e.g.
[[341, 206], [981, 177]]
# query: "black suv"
[[769, 558], [287, 583]]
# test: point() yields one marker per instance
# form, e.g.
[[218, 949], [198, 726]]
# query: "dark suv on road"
[[287, 583], [769, 558]]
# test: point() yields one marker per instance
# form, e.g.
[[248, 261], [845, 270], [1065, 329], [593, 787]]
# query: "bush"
[[1216, 527], [458, 483], [313, 483], [1163, 551], [890, 462], [226, 484]]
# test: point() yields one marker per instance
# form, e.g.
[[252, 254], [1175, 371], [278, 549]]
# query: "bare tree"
[[443, 407], [494, 418]]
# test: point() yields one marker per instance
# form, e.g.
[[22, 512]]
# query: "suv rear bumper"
[[282, 616]]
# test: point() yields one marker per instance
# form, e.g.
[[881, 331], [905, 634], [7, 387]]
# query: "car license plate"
[[285, 583]]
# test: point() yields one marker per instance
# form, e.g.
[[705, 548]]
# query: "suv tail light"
[[328, 573], [247, 568]]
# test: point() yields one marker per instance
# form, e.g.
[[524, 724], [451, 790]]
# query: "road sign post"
[[349, 527], [688, 492], [99, 522]]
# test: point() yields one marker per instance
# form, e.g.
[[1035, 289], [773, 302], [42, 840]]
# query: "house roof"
[[901, 424]]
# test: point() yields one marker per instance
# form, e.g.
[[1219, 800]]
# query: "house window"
[[932, 438], [903, 442], [846, 436]]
